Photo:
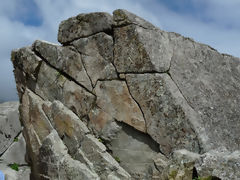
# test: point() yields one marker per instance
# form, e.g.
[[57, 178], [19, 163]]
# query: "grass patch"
[[14, 166], [15, 139]]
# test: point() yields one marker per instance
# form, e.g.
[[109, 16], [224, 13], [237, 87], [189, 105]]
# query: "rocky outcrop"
[[122, 99], [13, 147]]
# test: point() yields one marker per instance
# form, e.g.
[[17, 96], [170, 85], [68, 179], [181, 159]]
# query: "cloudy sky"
[[214, 22]]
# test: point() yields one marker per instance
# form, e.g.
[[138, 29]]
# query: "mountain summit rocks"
[[122, 99]]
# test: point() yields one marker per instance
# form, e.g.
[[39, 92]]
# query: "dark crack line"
[[113, 54], [63, 73], [83, 54], [108, 32], [84, 66], [145, 72], [139, 25], [189, 104], [137, 104], [10, 143], [180, 90]]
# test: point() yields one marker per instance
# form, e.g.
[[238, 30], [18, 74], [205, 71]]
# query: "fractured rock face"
[[96, 57], [120, 99], [84, 25], [165, 111], [139, 50], [10, 125], [219, 163], [58, 87], [210, 83], [16, 152], [114, 98], [66, 59]]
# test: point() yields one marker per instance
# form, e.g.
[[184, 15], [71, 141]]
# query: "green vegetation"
[[100, 140], [15, 139], [173, 173], [117, 159], [14, 166]]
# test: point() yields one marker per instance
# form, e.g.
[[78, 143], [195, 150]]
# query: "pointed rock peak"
[[84, 25], [122, 17]]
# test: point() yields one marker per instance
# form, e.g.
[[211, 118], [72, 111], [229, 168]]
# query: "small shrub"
[[117, 159], [100, 140], [14, 166], [15, 139]]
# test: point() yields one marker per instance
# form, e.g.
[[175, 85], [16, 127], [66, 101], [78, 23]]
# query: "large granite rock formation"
[[122, 99]]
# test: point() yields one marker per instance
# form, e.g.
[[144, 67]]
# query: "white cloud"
[[14, 34]]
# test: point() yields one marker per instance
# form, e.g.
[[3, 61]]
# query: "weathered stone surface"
[[10, 174], [16, 152], [45, 147], [113, 98], [181, 166], [104, 163], [103, 124], [84, 25], [10, 125], [81, 145], [26, 65], [68, 125], [36, 127], [56, 163], [161, 162], [97, 56], [65, 59], [122, 17], [58, 87], [215, 164], [135, 151], [210, 83], [84, 119], [26, 60], [168, 117], [140, 50], [219, 163]]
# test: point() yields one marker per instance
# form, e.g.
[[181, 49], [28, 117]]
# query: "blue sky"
[[213, 22]]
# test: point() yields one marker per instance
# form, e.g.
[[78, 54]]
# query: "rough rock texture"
[[65, 59], [165, 110], [122, 99], [10, 126], [219, 163], [84, 25], [12, 143], [10, 174], [16, 152], [114, 98]]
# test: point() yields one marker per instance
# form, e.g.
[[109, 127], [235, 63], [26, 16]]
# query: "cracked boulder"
[[167, 114], [113, 97], [120, 99], [96, 57], [65, 59], [138, 48]]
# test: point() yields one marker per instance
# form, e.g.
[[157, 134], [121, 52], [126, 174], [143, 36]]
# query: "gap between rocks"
[[63, 73], [69, 42]]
